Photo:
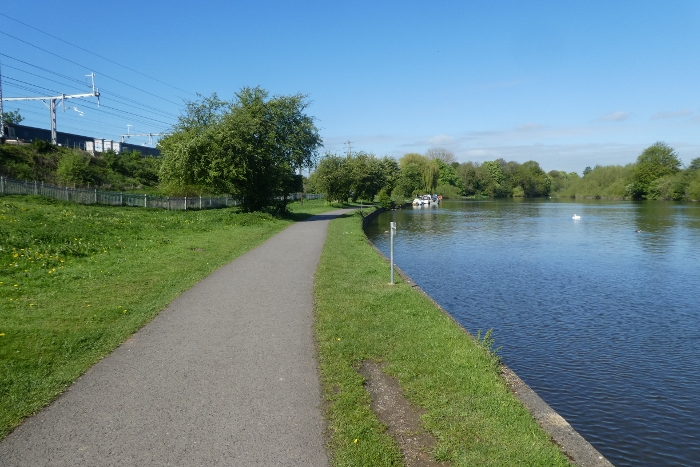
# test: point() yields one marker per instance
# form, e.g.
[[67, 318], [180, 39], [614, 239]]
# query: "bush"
[[448, 191], [385, 200], [73, 169]]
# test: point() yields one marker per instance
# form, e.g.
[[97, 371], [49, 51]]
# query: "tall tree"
[[333, 177], [250, 147]]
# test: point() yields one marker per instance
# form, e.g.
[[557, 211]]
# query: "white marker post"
[[393, 232]]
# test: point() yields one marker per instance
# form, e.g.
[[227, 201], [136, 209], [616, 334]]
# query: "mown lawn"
[[469, 408], [76, 281]]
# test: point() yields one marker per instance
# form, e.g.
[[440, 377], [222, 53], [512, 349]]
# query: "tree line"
[[255, 146], [657, 174]]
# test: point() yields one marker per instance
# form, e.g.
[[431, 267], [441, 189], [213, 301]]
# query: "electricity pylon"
[[52, 103]]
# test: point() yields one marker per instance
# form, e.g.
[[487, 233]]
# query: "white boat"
[[576, 217]]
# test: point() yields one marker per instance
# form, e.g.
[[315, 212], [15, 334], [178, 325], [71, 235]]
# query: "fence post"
[[95, 195], [145, 202], [185, 203], [65, 192], [2, 186], [121, 199], [36, 188]]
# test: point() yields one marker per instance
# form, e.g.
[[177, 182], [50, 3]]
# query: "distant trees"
[[251, 147], [657, 174], [357, 175], [652, 177]]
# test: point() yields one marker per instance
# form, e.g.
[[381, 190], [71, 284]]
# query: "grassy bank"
[[468, 407], [76, 281]]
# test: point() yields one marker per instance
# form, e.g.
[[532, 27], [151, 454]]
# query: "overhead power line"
[[81, 65], [97, 55], [34, 74]]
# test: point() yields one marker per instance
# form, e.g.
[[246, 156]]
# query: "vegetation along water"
[[598, 315], [463, 401]]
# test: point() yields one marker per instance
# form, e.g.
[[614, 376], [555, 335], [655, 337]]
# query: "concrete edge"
[[579, 451]]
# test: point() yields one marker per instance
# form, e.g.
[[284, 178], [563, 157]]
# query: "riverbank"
[[463, 402]]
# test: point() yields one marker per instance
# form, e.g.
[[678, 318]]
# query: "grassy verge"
[[76, 281], [469, 408]]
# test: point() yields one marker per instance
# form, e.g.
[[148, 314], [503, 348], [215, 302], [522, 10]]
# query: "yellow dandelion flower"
[[355, 441]]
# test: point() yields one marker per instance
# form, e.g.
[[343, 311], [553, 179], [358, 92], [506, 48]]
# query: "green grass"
[[76, 281], [469, 408]]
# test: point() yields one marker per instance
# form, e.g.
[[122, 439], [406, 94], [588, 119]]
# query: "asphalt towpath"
[[226, 375]]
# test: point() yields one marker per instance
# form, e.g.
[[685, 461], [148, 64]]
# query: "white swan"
[[576, 217]]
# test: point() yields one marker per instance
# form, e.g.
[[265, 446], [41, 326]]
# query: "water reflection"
[[600, 320]]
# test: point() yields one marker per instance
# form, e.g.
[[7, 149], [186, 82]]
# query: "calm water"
[[601, 321]]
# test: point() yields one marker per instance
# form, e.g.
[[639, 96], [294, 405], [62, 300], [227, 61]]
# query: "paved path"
[[226, 375]]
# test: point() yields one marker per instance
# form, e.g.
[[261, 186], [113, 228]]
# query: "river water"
[[600, 316]]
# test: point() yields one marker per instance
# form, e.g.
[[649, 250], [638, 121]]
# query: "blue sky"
[[568, 84]]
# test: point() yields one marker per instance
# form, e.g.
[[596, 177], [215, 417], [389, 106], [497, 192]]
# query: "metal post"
[[393, 233], [145, 202], [95, 195], [185, 203], [52, 111]]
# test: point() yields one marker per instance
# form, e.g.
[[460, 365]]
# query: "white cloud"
[[530, 127], [614, 117], [677, 113], [441, 140]]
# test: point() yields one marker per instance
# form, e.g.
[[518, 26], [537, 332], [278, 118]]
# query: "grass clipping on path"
[[76, 281], [440, 368]]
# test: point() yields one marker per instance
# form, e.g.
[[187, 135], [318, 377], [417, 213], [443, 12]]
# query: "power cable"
[[80, 65], [103, 92], [44, 69], [38, 76], [97, 55]]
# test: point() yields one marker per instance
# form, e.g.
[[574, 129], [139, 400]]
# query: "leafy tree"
[[333, 177], [250, 147], [533, 180], [448, 177], [410, 181], [428, 168], [391, 170], [471, 181], [12, 117], [656, 161], [367, 174], [587, 170]]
